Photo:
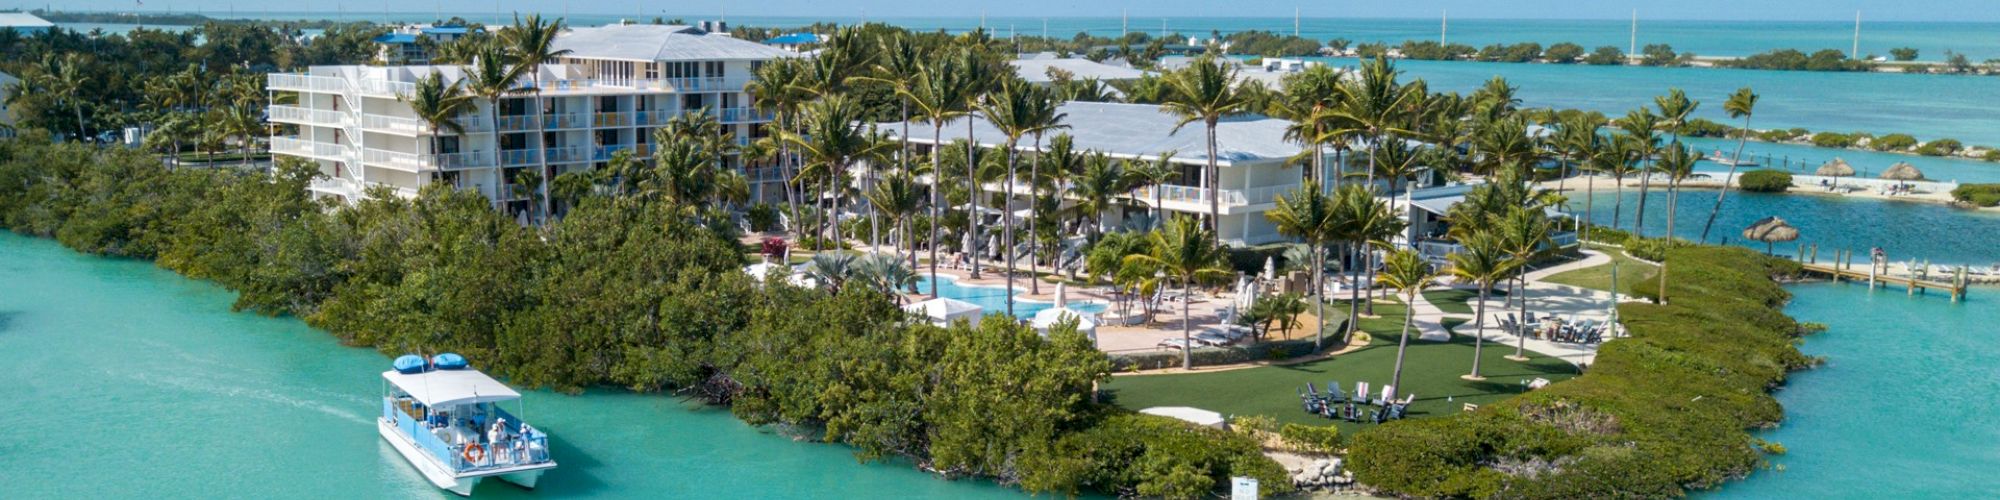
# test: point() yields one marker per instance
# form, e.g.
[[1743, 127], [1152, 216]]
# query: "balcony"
[[396, 124], [306, 116], [413, 162], [311, 149], [743, 115], [292, 82], [1169, 193]]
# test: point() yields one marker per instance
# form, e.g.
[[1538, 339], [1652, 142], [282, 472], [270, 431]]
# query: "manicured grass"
[[1430, 370], [1631, 274], [1457, 301]]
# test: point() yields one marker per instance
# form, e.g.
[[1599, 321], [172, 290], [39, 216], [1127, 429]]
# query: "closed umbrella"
[[1903, 171], [1771, 230]]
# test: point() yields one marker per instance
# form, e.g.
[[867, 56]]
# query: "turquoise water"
[[1802, 159], [127, 381], [1906, 230], [994, 299], [1903, 408]]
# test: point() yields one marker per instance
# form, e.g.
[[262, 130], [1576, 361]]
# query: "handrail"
[[308, 116]]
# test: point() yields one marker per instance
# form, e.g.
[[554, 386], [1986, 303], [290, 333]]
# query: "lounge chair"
[[1333, 391], [1361, 392]]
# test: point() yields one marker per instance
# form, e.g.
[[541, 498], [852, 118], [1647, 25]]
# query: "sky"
[[1751, 10]]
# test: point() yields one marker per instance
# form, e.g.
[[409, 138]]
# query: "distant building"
[[617, 84], [1036, 69], [795, 42], [404, 45], [25, 23]]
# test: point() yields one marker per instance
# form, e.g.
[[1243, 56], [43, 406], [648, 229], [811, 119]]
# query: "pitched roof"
[[23, 20], [1037, 70], [1144, 131], [648, 42]]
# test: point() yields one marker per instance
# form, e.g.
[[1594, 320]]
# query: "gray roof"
[[1140, 131], [23, 20], [1037, 70], [648, 42]]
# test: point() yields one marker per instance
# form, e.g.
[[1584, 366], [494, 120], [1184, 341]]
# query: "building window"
[[714, 69]]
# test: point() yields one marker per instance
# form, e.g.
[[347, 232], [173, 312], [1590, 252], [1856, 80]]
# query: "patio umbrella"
[[1835, 168], [1049, 318], [1771, 230], [1062, 294], [1903, 171], [1270, 268]]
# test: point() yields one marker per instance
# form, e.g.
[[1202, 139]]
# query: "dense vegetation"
[[626, 291], [1657, 415], [1765, 181], [1794, 60], [1983, 195]]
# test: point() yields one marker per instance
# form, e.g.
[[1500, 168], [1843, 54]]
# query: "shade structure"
[[1188, 414], [1903, 171], [451, 387], [942, 311], [1049, 318], [1770, 230], [760, 270], [1835, 168]]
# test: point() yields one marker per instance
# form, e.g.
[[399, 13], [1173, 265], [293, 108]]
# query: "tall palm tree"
[[1205, 91], [776, 88], [1044, 118], [1376, 105], [939, 97], [1481, 260], [1740, 105], [1309, 215], [1017, 111], [896, 64], [1184, 252], [1098, 187], [490, 78], [831, 139], [1638, 126], [1157, 173], [1523, 232], [896, 198], [1366, 224], [977, 78], [1307, 96], [1407, 272], [1677, 163], [438, 105], [1576, 138], [531, 42], [63, 78]]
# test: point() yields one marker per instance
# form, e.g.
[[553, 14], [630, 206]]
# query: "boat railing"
[[518, 450]]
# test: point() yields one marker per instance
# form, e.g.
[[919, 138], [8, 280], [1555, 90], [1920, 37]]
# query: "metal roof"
[[649, 42], [1037, 70], [1140, 131], [451, 387], [396, 38], [794, 39], [23, 20]]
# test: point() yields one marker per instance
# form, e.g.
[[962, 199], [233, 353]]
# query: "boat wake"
[[220, 388]]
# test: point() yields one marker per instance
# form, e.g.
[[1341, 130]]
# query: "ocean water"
[[1904, 229], [1902, 407], [128, 381], [1804, 159]]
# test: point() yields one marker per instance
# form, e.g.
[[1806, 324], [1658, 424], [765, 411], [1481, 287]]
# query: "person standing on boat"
[[495, 436]]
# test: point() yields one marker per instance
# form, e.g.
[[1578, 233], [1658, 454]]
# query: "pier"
[[1872, 273]]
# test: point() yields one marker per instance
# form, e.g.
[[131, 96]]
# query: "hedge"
[[1658, 414], [1985, 195], [1765, 181]]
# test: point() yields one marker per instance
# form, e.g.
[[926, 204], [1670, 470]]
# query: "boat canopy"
[[451, 387]]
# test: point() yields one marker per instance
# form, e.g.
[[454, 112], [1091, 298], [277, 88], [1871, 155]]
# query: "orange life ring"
[[474, 453]]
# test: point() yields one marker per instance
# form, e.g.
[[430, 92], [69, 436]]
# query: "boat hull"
[[441, 476]]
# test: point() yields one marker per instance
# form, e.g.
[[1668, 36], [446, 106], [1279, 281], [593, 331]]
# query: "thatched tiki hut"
[[1837, 168], [1903, 171], [1770, 230]]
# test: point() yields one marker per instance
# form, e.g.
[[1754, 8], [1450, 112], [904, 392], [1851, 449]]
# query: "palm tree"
[[1407, 272], [1016, 110], [897, 64], [1739, 105], [1309, 215], [1678, 163], [1576, 139], [1206, 91], [887, 274], [438, 105], [1365, 223], [830, 140], [1157, 173], [1307, 97], [939, 97], [1044, 117], [897, 199], [64, 79], [1638, 126], [976, 78], [776, 89], [1617, 158], [1523, 232], [1098, 187], [531, 42], [1375, 104], [1481, 260], [1184, 252], [490, 77]]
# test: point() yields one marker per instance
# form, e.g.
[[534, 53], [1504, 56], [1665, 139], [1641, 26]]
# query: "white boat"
[[441, 416]]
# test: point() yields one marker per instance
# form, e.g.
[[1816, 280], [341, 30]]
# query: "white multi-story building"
[[7, 115], [616, 85], [1253, 160]]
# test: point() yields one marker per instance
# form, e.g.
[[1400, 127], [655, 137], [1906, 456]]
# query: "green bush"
[[1940, 147], [1652, 249], [1658, 414], [1311, 438], [1211, 356], [1893, 142], [1832, 140], [1984, 195], [762, 217], [1765, 181]]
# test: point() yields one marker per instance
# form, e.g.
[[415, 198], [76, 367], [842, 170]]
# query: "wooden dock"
[[1844, 268]]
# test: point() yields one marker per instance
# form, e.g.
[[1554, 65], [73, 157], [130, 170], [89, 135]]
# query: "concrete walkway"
[[1429, 320], [1568, 302]]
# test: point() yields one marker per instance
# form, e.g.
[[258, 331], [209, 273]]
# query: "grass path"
[[1631, 273]]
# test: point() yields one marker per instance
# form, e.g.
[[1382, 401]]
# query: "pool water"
[[994, 299]]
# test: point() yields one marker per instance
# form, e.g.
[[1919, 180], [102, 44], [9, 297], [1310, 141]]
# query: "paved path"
[[1568, 302], [1429, 320]]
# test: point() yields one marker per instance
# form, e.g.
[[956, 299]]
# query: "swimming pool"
[[994, 299]]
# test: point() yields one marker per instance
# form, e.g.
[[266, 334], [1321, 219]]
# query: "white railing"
[[1257, 195], [613, 119], [665, 84], [300, 147], [306, 116], [395, 124], [304, 83], [740, 115], [335, 185], [418, 162], [387, 87]]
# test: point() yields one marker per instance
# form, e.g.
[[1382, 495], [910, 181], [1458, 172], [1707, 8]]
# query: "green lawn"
[[1431, 371], [1631, 273], [1456, 301]]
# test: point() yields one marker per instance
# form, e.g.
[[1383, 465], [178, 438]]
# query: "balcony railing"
[[741, 115], [304, 83], [395, 124], [307, 116], [1199, 195], [300, 147], [704, 84]]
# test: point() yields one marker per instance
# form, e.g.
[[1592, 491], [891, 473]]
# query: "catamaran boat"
[[445, 418]]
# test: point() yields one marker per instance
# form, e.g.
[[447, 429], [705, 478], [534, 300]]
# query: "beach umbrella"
[[1062, 294], [1903, 171], [1835, 168], [1771, 230], [1270, 268], [1049, 318]]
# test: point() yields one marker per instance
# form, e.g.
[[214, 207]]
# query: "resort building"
[[1254, 161], [616, 85], [24, 23], [795, 42], [411, 44], [1429, 229], [7, 82], [1042, 68]]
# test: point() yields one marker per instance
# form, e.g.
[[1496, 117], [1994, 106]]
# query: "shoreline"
[[1574, 184]]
